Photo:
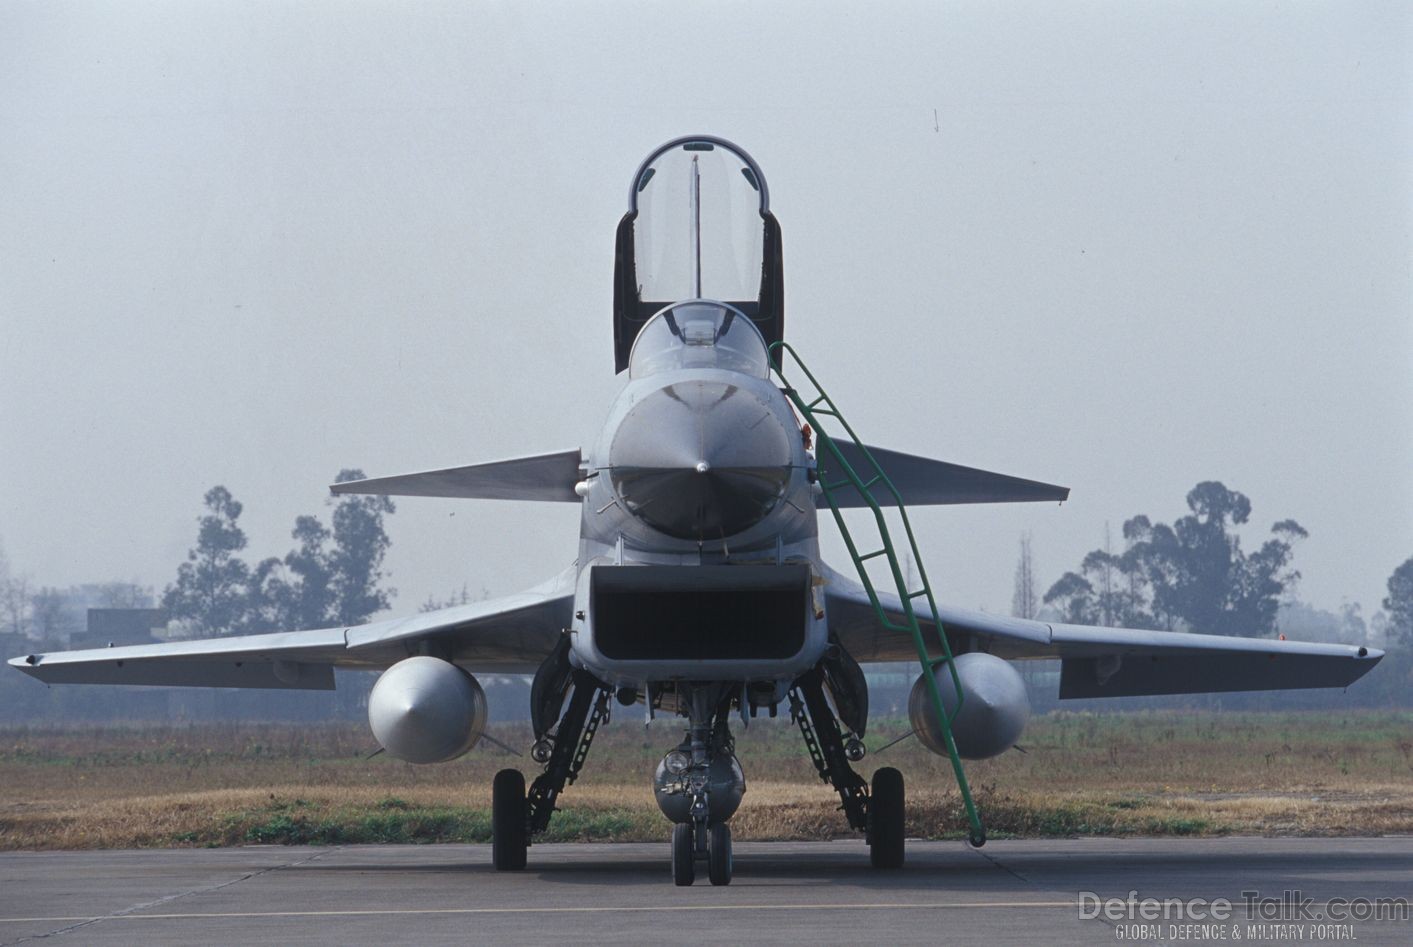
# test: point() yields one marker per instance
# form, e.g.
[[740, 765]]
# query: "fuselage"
[[701, 463]]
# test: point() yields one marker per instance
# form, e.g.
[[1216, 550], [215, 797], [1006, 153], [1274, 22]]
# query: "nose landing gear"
[[690, 846], [684, 855], [719, 863], [699, 785]]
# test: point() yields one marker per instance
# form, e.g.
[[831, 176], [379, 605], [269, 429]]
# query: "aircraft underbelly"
[[704, 622]]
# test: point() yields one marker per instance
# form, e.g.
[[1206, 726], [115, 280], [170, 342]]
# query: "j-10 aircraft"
[[699, 589]]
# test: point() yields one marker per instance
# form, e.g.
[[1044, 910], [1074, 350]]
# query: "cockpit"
[[698, 227], [699, 334]]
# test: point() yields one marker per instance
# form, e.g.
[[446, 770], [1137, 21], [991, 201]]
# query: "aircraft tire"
[[509, 833], [886, 811], [684, 856], [719, 863]]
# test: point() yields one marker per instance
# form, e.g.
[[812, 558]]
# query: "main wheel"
[[684, 856], [719, 855], [509, 833], [886, 810]]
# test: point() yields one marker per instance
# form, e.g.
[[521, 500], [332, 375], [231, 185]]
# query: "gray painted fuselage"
[[697, 464]]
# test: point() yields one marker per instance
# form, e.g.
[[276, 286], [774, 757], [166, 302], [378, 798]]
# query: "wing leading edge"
[[541, 477], [1106, 662], [511, 634], [923, 481]]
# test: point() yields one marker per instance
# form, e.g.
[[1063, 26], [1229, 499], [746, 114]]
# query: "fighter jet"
[[699, 590]]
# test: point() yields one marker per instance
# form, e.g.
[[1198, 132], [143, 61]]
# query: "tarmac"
[[1010, 892]]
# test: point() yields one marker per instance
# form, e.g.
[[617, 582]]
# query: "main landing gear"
[[879, 814], [699, 783], [516, 817]]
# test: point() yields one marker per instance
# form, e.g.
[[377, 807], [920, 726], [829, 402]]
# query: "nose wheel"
[[685, 854], [719, 855]]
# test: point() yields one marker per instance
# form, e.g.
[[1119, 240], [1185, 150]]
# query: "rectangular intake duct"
[[699, 613]]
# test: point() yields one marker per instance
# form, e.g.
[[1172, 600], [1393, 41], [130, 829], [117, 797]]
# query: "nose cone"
[[700, 460]]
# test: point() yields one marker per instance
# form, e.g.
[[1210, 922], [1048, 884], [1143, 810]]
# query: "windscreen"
[[699, 335]]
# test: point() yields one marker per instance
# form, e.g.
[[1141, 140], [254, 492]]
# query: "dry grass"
[[1143, 773]]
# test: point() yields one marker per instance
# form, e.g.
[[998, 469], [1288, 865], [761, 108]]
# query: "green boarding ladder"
[[841, 475]]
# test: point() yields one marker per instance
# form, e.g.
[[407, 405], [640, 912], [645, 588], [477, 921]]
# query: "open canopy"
[[698, 226]]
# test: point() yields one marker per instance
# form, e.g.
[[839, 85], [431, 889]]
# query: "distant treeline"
[[1190, 575]]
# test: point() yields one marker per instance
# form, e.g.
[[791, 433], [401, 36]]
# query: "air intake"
[[699, 613]]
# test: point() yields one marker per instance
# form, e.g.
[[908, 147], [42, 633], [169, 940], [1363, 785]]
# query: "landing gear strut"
[[517, 817], [699, 785], [880, 814]]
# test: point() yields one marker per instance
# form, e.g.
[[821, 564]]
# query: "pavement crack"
[[167, 899], [1006, 868]]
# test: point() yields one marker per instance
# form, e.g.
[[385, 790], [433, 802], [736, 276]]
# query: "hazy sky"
[[1119, 246]]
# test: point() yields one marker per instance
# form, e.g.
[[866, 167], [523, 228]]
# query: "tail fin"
[[922, 481], [542, 477]]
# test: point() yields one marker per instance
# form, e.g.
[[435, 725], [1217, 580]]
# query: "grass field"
[[1131, 773]]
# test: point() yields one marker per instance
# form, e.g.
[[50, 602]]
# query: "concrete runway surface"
[[1010, 892]]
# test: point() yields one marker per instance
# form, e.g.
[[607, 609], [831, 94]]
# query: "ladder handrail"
[[905, 594]]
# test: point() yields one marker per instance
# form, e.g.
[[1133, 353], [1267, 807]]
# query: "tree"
[[1352, 627], [1306, 622], [212, 588], [434, 604], [332, 577], [124, 595], [1399, 604], [1073, 596], [15, 604], [360, 543], [1192, 574], [297, 591], [1024, 601], [1109, 589], [52, 618]]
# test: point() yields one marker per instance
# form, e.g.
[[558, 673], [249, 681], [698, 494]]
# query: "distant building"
[[120, 626], [15, 646]]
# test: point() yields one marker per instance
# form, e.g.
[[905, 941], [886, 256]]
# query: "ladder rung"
[[912, 626]]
